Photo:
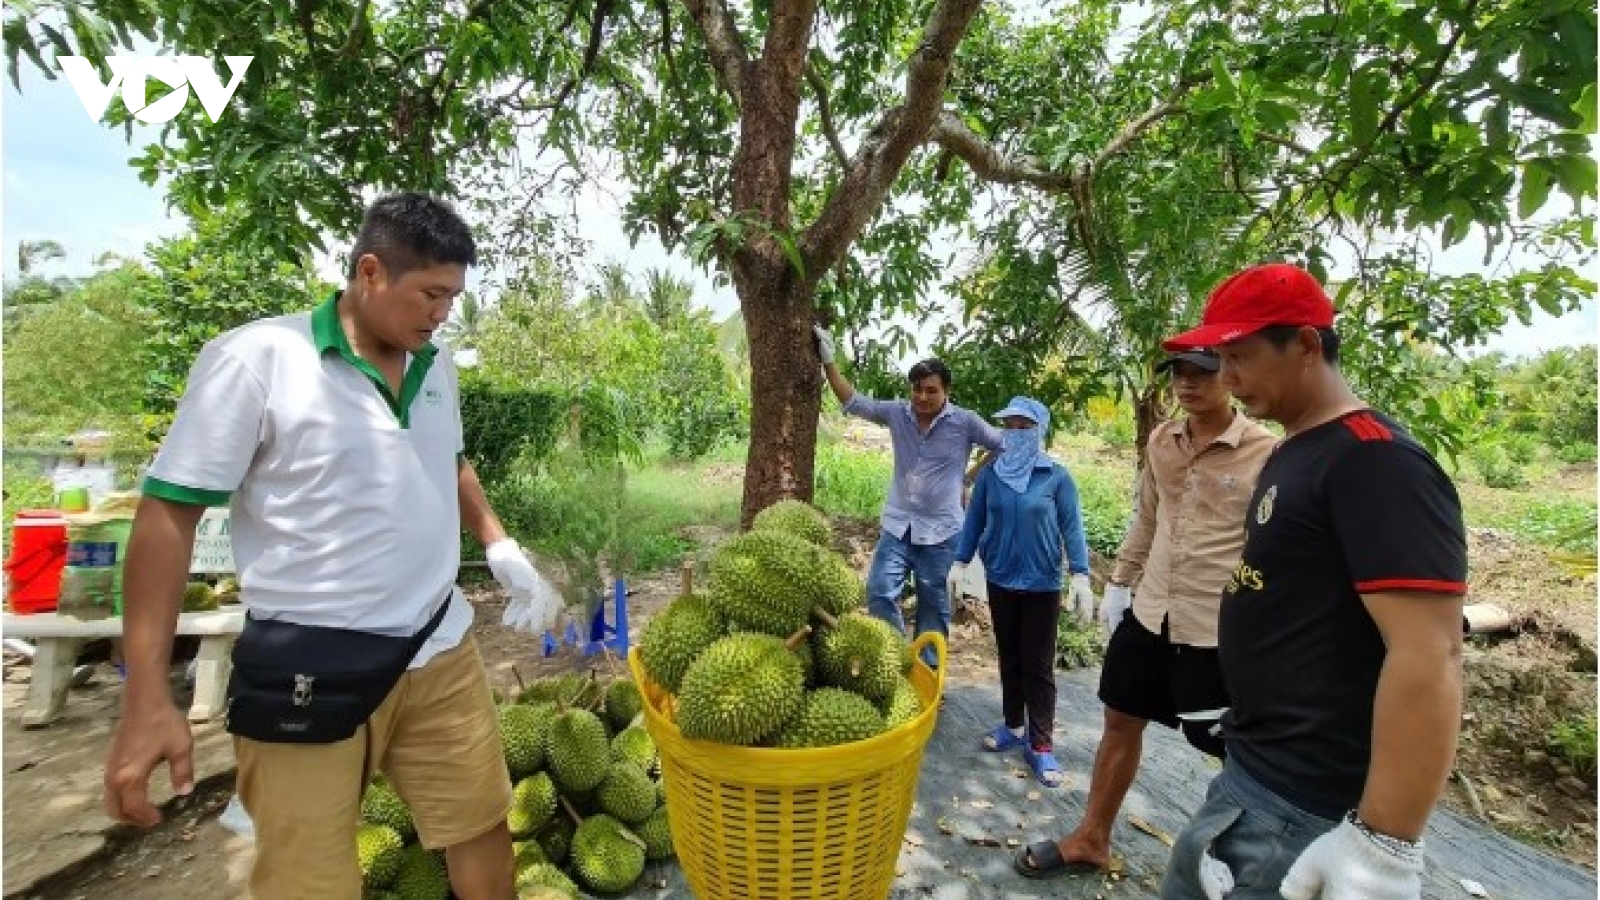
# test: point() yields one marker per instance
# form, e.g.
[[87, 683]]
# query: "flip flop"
[[1044, 764], [1001, 739], [1042, 859]]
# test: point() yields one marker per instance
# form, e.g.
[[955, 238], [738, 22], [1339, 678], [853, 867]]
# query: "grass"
[[852, 483], [1574, 740], [662, 500]]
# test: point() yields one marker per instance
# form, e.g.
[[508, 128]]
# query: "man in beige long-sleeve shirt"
[[1161, 664]]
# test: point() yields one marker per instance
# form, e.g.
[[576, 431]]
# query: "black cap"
[[1205, 359]]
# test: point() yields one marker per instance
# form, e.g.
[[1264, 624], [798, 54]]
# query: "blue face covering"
[[1021, 450]]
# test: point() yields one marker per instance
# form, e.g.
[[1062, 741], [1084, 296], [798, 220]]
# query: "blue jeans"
[[891, 562], [1256, 832]]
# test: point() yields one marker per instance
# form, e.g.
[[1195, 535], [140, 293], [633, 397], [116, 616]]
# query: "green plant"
[[501, 423], [1567, 525], [1077, 644], [852, 483], [24, 489], [1576, 454], [1574, 739], [1496, 467], [1104, 507]]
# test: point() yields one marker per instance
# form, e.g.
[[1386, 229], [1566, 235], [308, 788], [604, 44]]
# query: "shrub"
[[1496, 467], [1077, 644], [1105, 510], [852, 483], [1573, 739]]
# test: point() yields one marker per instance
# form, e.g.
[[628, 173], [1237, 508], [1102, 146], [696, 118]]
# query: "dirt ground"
[[1520, 683]]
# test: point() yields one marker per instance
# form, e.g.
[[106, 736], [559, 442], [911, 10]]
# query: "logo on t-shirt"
[[432, 396], [1264, 508]]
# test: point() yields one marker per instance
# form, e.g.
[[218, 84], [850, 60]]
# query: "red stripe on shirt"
[[1368, 428], [1411, 584]]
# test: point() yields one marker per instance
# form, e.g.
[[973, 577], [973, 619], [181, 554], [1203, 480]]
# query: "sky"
[[66, 178]]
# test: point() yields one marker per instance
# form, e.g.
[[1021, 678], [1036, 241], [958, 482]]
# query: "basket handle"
[[940, 649]]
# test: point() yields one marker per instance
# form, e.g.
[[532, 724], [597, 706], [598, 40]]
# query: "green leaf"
[[1367, 93], [1585, 108], [1535, 189], [1224, 81]]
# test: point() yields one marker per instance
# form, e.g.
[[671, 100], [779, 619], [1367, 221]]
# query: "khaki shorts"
[[436, 737]]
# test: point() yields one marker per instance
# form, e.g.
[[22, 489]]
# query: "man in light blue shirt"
[[933, 440]]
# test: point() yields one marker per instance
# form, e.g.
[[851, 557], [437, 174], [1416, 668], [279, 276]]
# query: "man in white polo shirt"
[[336, 438]]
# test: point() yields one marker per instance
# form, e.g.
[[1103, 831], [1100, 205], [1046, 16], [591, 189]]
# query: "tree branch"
[[866, 182], [987, 162], [357, 31], [1136, 129], [729, 60], [825, 113]]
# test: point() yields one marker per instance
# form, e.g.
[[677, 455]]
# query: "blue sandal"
[[1001, 739], [1044, 766]]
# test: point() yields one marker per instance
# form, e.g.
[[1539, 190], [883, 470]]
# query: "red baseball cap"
[[1256, 298]]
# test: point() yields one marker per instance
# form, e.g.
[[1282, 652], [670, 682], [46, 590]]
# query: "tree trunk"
[[1148, 412], [785, 391]]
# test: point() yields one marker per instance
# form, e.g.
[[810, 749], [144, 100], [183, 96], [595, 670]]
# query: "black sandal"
[[1042, 859]]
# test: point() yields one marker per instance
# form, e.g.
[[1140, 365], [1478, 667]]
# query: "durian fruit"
[[902, 706], [797, 518], [578, 751], [556, 839], [830, 717], [422, 875], [628, 794], [635, 745], [526, 853], [861, 653], [624, 703], [378, 854], [227, 590], [543, 892], [523, 730], [765, 581], [546, 875], [656, 834], [839, 589], [674, 638], [566, 689], [606, 857], [533, 803], [381, 805], [741, 690], [198, 597]]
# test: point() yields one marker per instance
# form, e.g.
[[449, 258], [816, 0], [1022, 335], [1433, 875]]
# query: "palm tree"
[[466, 324], [666, 297], [31, 292]]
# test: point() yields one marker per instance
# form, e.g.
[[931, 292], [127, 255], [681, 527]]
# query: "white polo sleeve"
[[215, 433]]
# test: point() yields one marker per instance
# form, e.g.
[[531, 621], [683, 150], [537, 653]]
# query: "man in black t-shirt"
[[1340, 630]]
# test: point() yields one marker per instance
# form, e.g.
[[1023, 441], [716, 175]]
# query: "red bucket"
[[38, 555]]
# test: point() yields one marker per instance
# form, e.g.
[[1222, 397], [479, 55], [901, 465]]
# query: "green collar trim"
[[328, 334]]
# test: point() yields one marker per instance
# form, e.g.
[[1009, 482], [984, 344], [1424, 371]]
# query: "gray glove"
[[825, 345]]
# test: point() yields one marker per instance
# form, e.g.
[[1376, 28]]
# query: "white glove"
[[1082, 598], [1216, 879], [1345, 864], [534, 601], [958, 577], [825, 346], [1116, 601]]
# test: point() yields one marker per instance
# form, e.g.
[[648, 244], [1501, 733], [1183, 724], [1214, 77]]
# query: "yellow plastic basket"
[[766, 824]]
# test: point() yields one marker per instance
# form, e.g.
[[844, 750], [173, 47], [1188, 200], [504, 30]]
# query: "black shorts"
[[1147, 676]]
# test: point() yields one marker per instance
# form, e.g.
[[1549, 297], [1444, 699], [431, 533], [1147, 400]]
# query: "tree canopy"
[[1110, 153]]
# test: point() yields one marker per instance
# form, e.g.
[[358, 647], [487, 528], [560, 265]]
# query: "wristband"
[[1399, 848]]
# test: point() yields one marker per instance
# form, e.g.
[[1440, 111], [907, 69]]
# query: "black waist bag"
[[304, 684]]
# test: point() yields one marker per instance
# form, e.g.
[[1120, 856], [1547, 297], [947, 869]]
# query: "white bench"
[[56, 640]]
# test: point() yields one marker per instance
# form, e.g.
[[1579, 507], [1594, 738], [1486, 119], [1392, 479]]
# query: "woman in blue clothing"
[[1022, 517]]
